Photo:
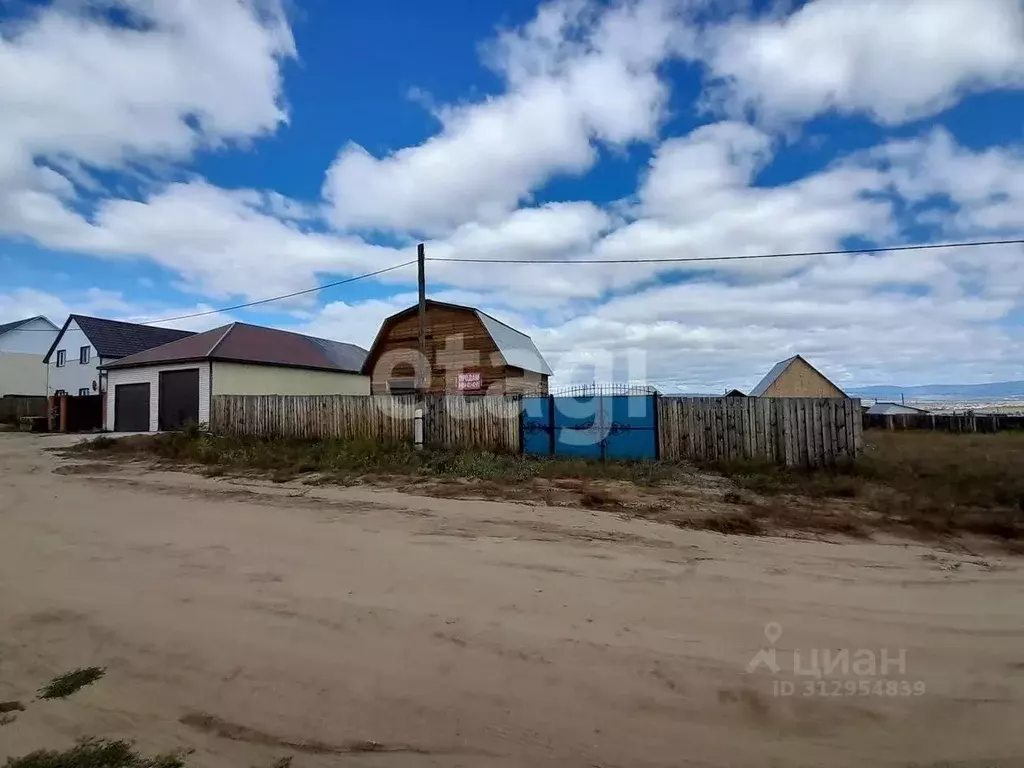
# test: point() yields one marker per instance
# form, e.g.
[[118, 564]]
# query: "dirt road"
[[251, 621]]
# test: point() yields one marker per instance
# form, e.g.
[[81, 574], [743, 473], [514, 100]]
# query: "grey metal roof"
[[6, 327], [515, 346], [892, 409], [773, 374]]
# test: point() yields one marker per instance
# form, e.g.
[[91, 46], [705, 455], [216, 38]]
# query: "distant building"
[[795, 377], [23, 344], [734, 393], [892, 409]]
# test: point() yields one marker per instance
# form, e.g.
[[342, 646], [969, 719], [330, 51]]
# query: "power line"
[[744, 257], [282, 297], [263, 301]]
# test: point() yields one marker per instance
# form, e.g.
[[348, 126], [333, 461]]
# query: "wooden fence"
[[14, 407], [811, 432], [808, 432], [487, 423], [344, 417], [945, 422]]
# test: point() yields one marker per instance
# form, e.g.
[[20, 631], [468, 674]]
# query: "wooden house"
[[468, 352], [795, 377]]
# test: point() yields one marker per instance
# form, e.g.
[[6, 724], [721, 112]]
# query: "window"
[[62, 358], [83, 355], [84, 392], [402, 387]]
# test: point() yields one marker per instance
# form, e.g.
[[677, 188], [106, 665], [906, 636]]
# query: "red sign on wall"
[[470, 381]]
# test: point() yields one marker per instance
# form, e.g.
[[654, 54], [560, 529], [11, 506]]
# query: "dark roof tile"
[[116, 339], [244, 343]]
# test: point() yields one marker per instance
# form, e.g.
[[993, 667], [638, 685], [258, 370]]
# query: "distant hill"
[[997, 390]]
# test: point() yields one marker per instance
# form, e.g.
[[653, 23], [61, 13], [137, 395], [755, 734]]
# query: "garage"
[[131, 407], [179, 399]]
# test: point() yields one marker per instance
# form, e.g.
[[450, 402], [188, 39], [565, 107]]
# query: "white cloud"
[[28, 302], [75, 89], [986, 187], [222, 242], [574, 78], [894, 60]]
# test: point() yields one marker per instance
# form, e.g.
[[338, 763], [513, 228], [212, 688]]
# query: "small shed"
[[468, 352], [795, 377], [172, 385]]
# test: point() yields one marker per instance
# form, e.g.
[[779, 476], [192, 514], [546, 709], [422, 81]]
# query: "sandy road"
[[249, 621]]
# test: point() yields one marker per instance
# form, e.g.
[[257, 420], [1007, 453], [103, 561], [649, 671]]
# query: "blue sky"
[[165, 157]]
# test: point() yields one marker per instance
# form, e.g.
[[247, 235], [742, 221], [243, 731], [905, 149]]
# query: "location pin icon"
[[773, 631]]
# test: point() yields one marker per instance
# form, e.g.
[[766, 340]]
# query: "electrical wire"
[[282, 297], [744, 257]]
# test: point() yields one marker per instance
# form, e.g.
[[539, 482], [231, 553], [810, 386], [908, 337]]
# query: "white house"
[[23, 346], [85, 343]]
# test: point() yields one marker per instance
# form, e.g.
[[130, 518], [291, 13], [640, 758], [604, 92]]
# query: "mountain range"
[[996, 389]]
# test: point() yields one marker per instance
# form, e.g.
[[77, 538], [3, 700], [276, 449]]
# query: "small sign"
[[470, 381]]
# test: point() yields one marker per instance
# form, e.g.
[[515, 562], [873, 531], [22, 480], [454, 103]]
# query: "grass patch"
[[94, 753], [71, 682], [286, 460], [11, 706], [930, 483]]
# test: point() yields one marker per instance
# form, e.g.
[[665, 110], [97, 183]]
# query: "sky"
[[164, 157]]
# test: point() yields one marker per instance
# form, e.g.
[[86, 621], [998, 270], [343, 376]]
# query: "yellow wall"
[[23, 374], [801, 380], [241, 379]]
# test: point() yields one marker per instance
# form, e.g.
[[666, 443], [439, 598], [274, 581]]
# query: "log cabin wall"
[[457, 342]]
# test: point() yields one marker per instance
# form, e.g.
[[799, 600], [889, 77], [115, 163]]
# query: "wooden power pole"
[[424, 379]]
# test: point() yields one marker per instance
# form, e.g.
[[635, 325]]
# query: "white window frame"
[[62, 358]]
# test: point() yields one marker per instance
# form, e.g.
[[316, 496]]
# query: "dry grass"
[[924, 484], [927, 483], [94, 754]]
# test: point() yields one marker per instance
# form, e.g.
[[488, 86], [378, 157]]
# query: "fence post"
[[656, 405], [418, 431]]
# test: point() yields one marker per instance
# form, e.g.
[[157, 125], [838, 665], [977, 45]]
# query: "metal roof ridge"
[[228, 329]]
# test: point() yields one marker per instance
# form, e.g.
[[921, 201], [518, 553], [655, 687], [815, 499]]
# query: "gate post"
[[551, 425]]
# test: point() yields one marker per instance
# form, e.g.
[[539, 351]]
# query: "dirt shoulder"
[[964, 492], [250, 621]]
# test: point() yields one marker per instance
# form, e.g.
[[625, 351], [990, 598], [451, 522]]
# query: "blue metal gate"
[[600, 427]]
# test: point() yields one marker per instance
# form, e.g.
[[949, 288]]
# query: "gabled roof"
[[771, 376], [777, 371], [116, 338], [255, 344], [8, 327], [517, 349]]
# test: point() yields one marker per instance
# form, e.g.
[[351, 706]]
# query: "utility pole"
[[424, 380]]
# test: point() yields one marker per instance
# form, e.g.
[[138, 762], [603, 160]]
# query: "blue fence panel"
[[632, 427], [537, 426], [578, 427], [614, 427]]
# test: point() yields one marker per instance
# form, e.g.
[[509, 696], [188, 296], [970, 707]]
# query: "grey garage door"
[[179, 399], [131, 408]]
